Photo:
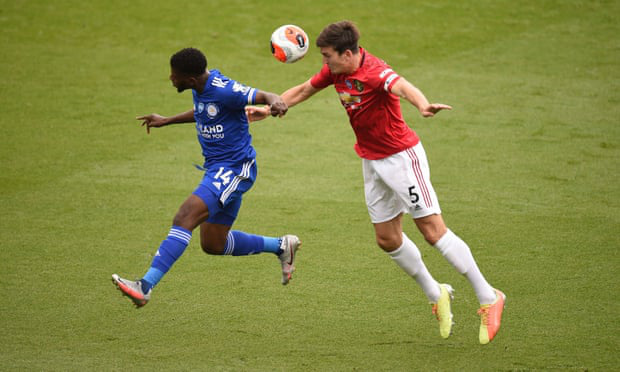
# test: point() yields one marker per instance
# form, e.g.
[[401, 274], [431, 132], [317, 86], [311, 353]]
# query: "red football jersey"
[[374, 112]]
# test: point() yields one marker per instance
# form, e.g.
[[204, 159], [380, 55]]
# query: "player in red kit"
[[395, 168], [374, 115]]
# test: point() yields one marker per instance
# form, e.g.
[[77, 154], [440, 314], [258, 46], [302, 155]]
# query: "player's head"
[[341, 36], [339, 46], [186, 66]]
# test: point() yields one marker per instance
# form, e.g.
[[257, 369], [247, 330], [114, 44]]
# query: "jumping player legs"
[[215, 212], [406, 255], [215, 238], [192, 211], [457, 253], [401, 183]]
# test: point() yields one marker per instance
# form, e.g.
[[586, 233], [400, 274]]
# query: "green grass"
[[526, 167]]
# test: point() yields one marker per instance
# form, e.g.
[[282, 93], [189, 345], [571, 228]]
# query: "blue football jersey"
[[223, 128]]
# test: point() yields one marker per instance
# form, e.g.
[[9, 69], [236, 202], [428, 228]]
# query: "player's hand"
[[434, 108], [255, 113], [278, 108], [152, 121]]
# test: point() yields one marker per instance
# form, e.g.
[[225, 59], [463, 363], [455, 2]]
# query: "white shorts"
[[399, 183]]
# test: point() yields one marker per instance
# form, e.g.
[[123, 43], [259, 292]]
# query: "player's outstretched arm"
[[276, 105], [156, 120], [406, 90], [291, 97], [299, 93]]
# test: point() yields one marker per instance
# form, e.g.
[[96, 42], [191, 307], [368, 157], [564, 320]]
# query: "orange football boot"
[[491, 318]]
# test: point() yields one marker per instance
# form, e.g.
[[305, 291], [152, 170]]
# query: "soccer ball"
[[289, 43]]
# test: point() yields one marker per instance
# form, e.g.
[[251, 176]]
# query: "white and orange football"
[[289, 43]]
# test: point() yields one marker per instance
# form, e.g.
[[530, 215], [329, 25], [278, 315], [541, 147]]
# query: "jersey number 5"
[[414, 195]]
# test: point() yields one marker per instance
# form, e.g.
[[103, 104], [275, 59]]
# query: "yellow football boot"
[[443, 310]]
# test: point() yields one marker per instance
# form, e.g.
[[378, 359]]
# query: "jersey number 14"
[[222, 178]]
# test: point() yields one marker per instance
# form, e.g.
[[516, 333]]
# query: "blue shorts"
[[222, 189]]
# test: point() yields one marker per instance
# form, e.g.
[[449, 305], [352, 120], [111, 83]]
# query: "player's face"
[[338, 63], [180, 81]]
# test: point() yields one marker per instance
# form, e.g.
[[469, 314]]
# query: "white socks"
[[408, 257], [459, 255]]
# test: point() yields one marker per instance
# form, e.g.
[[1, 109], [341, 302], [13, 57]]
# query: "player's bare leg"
[[432, 227], [213, 238]]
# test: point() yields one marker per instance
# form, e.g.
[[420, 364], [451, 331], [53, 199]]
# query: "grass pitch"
[[525, 166]]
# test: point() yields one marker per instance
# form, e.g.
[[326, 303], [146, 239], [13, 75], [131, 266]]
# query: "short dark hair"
[[341, 36], [189, 61]]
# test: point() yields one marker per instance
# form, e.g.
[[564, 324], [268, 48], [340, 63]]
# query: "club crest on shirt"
[[212, 110], [358, 85], [347, 82]]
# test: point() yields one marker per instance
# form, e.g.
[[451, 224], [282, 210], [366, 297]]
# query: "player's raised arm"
[[406, 90], [156, 120]]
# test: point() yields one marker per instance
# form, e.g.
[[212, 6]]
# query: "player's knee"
[[177, 220], [432, 236], [432, 228], [388, 242], [191, 213], [182, 217]]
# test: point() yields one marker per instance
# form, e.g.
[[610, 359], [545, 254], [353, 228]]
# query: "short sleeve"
[[322, 78], [237, 95]]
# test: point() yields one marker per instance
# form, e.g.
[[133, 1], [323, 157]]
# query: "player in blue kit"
[[230, 170]]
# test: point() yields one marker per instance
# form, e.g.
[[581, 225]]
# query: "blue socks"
[[169, 251], [272, 245], [238, 243], [152, 277]]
